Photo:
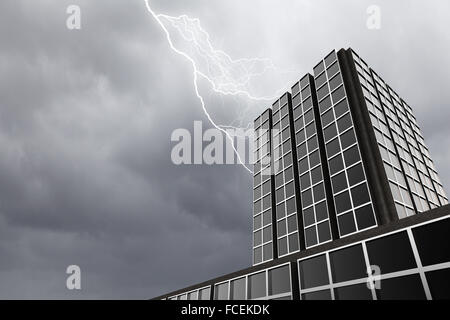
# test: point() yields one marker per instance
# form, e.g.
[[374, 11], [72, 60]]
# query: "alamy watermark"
[[226, 147]]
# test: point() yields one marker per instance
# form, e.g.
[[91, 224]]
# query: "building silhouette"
[[344, 189]]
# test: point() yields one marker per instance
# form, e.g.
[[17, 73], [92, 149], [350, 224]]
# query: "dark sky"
[[86, 118]]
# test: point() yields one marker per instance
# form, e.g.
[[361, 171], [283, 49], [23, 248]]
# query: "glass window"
[[351, 156], [355, 292], [360, 195], [365, 217], [319, 192], [267, 252], [439, 283], [308, 216], [237, 289], [257, 238], [339, 182], [204, 294], [311, 236], [327, 118], [346, 224], [257, 285], [316, 175], [293, 242], [344, 123], [314, 159], [343, 202], [313, 272], [221, 291], [307, 198], [279, 280], [325, 104], [267, 234], [333, 147], [392, 253], [432, 242], [348, 264], [336, 164], [341, 108], [257, 255], [335, 82], [338, 94], [330, 132], [318, 295], [323, 230], [331, 71], [403, 288], [348, 139], [282, 244], [321, 211], [356, 174], [292, 223]]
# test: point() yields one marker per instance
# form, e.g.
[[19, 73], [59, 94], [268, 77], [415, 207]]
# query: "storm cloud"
[[86, 118]]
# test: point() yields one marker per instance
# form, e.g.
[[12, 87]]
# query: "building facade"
[[347, 203]]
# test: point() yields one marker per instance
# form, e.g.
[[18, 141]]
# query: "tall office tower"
[[343, 184], [343, 153]]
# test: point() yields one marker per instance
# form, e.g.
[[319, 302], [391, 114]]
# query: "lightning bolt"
[[226, 76]]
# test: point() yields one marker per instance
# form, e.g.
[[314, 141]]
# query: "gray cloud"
[[86, 118]]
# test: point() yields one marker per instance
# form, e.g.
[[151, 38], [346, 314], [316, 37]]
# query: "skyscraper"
[[344, 188], [347, 155]]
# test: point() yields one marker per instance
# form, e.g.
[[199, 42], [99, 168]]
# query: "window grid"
[[262, 203], [347, 217], [286, 207], [314, 206]]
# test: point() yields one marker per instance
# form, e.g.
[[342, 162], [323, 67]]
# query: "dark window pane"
[[355, 174], [303, 165], [312, 143], [301, 150], [306, 92], [289, 189], [330, 132], [314, 159], [313, 272], [279, 280], [310, 129], [339, 182], [257, 255], [392, 253], [355, 292], [325, 104], [348, 139], [321, 80], [308, 215], [267, 252], [351, 156], [257, 285], [319, 68], [316, 175], [346, 224], [318, 295], [319, 192], [267, 234], [237, 289], [439, 283], [341, 108], [281, 211], [311, 236], [323, 230], [404, 288], [292, 223], [432, 242], [257, 238], [267, 217], [338, 94], [335, 82], [330, 58], [282, 246], [305, 181], [344, 123], [306, 198], [348, 264], [365, 217], [343, 202], [331, 71], [336, 164], [281, 227], [322, 92], [360, 195], [333, 148], [300, 136], [327, 118], [309, 116], [293, 242], [221, 291], [321, 211], [290, 204]]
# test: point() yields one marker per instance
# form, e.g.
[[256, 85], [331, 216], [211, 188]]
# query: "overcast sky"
[[86, 118]]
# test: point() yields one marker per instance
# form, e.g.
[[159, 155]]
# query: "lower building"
[[406, 259]]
